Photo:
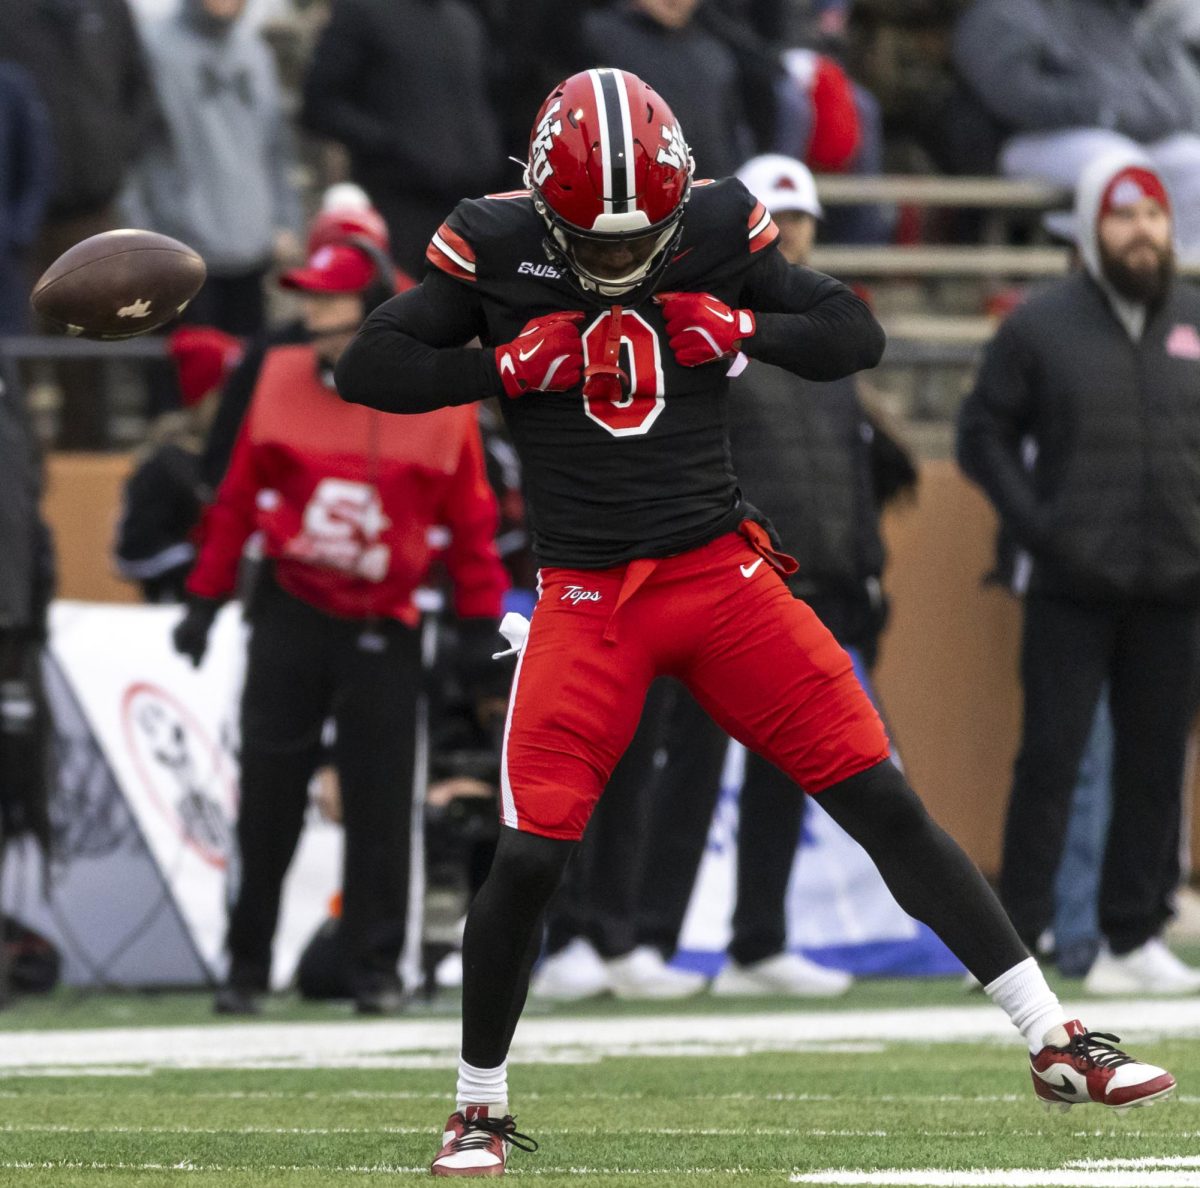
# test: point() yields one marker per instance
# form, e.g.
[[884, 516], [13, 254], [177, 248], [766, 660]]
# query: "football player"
[[614, 297]]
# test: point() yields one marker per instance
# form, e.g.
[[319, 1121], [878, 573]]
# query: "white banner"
[[169, 734]]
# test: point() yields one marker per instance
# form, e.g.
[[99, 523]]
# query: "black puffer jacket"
[[1110, 508]]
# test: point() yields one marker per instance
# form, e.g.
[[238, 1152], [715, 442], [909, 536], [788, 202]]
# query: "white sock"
[[483, 1087], [1022, 993]]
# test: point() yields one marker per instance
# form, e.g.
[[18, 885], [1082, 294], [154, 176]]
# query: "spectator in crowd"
[[1068, 81], [1099, 374], [812, 455], [695, 72], [26, 587], [87, 62], [216, 173], [387, 79], [166, 493], [26, 170], [344, 500]]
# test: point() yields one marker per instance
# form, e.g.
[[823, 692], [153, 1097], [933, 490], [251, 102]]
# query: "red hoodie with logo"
[[351, 504]]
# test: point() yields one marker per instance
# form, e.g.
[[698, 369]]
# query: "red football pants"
[[721, 620]]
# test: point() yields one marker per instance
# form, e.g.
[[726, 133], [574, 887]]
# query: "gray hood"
[[1089, 190]]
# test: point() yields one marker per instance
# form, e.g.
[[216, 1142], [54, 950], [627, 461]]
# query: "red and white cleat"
[[475, 1145], [1091, 1068]]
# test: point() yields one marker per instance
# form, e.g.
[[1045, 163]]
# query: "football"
[[118, 284]]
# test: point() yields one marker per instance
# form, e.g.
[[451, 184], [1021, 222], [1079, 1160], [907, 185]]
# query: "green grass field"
[[840, 1111]]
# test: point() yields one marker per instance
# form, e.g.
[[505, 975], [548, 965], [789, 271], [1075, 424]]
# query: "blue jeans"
[[1077, 884]]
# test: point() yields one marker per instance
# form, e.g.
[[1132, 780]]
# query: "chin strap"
[[604, 379]]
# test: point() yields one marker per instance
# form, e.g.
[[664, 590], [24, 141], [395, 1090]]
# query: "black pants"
[[657, 806], [303, 668], [1150, 656]]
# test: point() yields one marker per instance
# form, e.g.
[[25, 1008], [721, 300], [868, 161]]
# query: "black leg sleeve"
[[924, 868], [501, 940]]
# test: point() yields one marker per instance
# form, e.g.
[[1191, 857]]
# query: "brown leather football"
[[118, 284]]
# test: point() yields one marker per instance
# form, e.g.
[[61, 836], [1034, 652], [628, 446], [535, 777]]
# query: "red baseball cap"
[[332, 268], [1130, 186]]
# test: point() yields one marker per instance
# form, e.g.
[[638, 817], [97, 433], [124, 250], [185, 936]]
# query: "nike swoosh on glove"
[[701, 328], [547, 356]]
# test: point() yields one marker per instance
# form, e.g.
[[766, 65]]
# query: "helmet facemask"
[[637, 251]]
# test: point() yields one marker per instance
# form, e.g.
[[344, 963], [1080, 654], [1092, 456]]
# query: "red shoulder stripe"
[[439, 259], [456, 245], [763, 229], [510, 194]]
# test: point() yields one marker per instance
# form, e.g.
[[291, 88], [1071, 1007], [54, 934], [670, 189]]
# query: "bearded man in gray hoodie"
[[216, 173], [1095, 380]]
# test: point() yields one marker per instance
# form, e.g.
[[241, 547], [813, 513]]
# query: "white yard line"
[[189, 1166], [422, 1042], [896, 1178], [1005, 1178], [659, 1132], [1142, 1161]]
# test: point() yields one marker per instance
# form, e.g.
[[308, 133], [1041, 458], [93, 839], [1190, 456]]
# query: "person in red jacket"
[[350, 506]]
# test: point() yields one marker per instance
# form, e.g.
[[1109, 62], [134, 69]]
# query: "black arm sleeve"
[[409, 355], [993, 420], [809, 323]]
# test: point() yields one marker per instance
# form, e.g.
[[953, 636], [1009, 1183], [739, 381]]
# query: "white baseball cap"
[[781, 183]]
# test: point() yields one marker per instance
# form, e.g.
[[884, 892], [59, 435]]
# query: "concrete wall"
[[948, 668], [82, 505]]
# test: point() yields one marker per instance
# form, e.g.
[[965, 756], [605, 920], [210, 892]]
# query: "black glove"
[[190, 636]]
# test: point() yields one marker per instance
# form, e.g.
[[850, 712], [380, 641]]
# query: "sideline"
[[426, 1043]]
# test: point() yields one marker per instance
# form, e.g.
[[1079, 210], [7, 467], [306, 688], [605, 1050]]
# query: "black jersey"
[[607, 481]]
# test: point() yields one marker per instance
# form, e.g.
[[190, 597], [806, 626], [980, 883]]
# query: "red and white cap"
[[333, 268], [1109, 182], [1129, 186], [781, 184]]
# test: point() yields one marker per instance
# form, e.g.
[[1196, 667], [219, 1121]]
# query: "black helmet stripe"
[[616, 140]]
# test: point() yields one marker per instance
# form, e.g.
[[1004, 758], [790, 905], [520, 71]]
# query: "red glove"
[[701, 328], [547, 355]]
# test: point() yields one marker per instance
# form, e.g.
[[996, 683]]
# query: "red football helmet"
[[610, 173]]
